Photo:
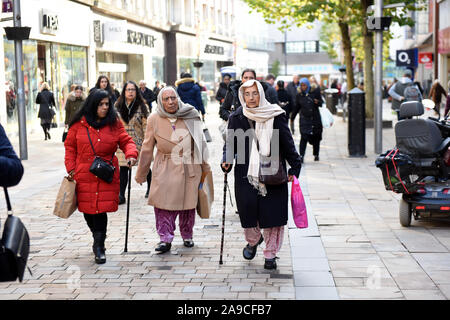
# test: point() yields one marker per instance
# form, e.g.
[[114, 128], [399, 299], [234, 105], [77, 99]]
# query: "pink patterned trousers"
[[165, 223], [273, 237]]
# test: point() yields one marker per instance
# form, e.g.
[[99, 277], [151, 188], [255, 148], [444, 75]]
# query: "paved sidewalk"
[[61, 257], [354, 248]]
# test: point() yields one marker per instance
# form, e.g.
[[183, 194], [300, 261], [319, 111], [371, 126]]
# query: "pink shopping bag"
[[298, 205]]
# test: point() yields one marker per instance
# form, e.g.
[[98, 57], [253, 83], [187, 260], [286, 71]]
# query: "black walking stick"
[[225, 183], [128, 210]]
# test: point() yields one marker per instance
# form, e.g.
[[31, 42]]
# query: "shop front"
[[444, 43], [56, 53], [127, 51], [213, 54]]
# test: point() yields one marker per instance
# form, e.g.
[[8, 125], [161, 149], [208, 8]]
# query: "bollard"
[[356, 123]]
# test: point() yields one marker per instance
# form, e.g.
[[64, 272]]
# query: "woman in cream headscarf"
[[259, 205], [180, 165]]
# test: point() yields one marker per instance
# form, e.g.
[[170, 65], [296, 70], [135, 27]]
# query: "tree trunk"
[[347, 46], [368, 62]]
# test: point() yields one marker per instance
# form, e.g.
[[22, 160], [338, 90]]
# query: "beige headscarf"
[[192, 119], [263, 115]]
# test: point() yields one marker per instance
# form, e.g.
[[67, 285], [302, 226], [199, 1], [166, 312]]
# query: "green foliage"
[[275, 70]]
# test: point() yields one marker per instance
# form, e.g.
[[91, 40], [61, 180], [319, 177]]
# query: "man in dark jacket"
[[232, 96], [223, 87], [271, 92], [189, 92], [284, 98], [11, 169], [292, 88], [147, 94]]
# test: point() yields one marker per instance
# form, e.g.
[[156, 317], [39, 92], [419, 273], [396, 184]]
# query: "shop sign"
[[140, 38], [214, 49], [115, 31], [98, 32], [7, 6], [406, 58], [425, 57], [49, 22], [444, 41]]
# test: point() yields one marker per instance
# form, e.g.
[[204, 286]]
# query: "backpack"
[[412, 93]]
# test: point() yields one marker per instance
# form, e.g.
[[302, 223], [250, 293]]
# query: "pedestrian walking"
[[308, 103], [11, 168], [260, 206], [133, 112], [436, 93], [156, 88], [292, 90], [97, 131], [397, 91], [46, 101], [115, 91], [223, 87], [271, 92], [147, 94], [104, 84], [180, 165], [284, 98], [74, 104], [190, 92], [231, 101]]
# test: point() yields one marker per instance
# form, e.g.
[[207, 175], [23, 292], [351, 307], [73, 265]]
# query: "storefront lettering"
[[214, 49], [50, 22], [140, 38]]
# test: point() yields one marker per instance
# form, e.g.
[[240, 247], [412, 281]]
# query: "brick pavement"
[[61, 257]]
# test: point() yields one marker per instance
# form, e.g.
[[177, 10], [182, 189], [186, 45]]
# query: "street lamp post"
[[378, 120]]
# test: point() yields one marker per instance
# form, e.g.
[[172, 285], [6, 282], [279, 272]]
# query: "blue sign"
[[407, 58]]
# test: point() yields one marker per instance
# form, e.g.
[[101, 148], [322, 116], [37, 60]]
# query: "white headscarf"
[[263, 115]]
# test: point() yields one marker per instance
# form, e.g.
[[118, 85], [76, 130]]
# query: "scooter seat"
[[418, 137]]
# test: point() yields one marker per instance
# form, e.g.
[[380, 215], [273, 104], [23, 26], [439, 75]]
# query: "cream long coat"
[[174, 182]]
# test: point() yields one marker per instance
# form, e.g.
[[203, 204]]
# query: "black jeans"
[[124, 179], [97, 222], [313, 140]]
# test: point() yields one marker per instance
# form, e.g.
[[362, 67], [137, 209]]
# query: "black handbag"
[[14, 247], [265, 166], [64, 136], [101, 168]]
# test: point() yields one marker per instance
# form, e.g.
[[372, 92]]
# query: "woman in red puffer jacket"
[[95, 197]]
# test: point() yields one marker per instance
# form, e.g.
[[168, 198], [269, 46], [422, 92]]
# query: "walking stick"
[[128, 211], [225, 182]]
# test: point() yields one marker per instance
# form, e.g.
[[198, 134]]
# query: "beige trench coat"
[[174, 182]]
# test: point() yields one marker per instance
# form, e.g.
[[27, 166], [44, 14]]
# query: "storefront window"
[[158, 69], [30, 80]]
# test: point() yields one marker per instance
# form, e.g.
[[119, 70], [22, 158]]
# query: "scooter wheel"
[[405, 213]]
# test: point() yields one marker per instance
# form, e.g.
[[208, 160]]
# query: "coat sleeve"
[[11, 169], [52, 100], [295, 108], [146, 156], [38, 98], [126, 143], [225, 107], [229, 151], [198, 98], [272, 95], [70, 146], [67, 108], [287, 147]]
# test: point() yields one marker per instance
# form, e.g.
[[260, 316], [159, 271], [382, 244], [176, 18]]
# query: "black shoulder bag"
[[265, 165], [14, 247], [100, 168]]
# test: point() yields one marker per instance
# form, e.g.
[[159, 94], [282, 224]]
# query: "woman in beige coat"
[[180, 165]]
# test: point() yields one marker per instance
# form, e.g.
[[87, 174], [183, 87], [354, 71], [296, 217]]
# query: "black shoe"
[[270, 264], [188, 243], [163, 247], [99, 247], [121, 199], [249, 251], [146, 194], [316, 158]]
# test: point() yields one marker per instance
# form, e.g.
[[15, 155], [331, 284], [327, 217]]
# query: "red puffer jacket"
[[93, 194]]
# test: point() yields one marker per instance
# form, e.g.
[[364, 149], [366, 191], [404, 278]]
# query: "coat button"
[[98, 139], [96, 211]]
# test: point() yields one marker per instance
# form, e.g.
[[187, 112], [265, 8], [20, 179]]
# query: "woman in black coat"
[[259, 205], [11, 169], [308, 103], [46, 101], [284, 98]]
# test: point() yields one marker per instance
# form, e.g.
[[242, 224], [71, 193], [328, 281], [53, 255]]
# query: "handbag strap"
[[92, 146], [8, 202]]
